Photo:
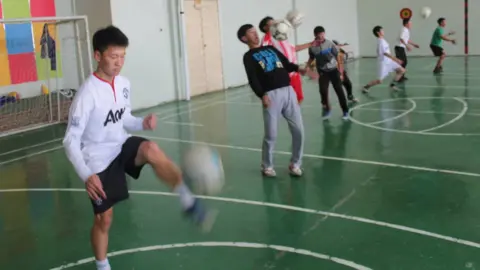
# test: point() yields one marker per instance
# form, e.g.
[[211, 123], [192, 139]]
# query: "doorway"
[[204, 47]]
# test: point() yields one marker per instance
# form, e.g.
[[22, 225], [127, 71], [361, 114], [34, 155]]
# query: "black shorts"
[[114, 179], [437, 51]]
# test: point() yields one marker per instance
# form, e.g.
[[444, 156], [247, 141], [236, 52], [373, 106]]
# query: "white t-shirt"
[[99, 116], [405, 36], [382, 48]]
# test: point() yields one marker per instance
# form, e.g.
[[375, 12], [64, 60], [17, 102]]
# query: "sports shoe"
[[295, 170], [269, 172], [326, 114], [346, 116], [352, 99], [200, 216]]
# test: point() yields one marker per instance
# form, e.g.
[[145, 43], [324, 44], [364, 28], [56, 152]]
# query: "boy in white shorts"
[[386, 64]]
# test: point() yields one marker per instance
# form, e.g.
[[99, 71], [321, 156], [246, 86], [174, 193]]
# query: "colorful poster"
[[28, 51]]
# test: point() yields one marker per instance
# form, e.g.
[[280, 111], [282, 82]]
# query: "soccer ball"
[[280, 30], [203, 169], [295, 18], [426, 11]]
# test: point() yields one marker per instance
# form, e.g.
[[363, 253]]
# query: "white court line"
[[333, 209], [182, 123], [446, 75], [421, 86], [424, 132], [453, 120], [241, 95], [190, 110], [418, 111], [30, 155], [165, 122], [30, 146], [279, 206], [304, 252], [187, 104], [414, 106], [339, 204], [316, 107], [360, 161], [426, 67]]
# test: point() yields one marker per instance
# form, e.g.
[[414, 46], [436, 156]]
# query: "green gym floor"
[[397, 187]]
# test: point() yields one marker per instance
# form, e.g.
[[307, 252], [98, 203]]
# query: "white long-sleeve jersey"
[[99, 118]]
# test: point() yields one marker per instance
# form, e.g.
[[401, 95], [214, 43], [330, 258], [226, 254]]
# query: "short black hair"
[[440, 20], [319, 29], [108, 36], [264, 23], [242, 31], [406, 21], [377, 30]]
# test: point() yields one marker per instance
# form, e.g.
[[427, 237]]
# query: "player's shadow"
[[328, 173], [284, 226], [436, 104]]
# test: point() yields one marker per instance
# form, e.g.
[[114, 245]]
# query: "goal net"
[[43, 61]]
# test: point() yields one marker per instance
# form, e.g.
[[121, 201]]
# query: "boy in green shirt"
[[436, 43]]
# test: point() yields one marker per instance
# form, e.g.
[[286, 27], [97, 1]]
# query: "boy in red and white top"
[[288, 49]]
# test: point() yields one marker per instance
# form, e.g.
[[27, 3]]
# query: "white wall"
[[151, 28], [318, 12], [99, 15], [149, 63], [338, 18], [473, 23], [387, 14]]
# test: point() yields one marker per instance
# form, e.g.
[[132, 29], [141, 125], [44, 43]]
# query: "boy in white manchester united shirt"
[[101, 150], [386, 63]]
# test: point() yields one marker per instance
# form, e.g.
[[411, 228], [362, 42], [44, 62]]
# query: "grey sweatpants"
[[283, 102]]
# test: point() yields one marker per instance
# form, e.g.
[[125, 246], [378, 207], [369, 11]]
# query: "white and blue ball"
[[280, 29], [426, 12], [295, 18], [203, 169]]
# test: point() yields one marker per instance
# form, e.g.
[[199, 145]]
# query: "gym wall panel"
[[48, 67], [387, 14], [37, 28], [232, 15], [149, 64], [15, 9], [473, 23], [42, 8], [3, 41], [4, 69], [23, 68], [4, 66], [19, 38], [20, 58]]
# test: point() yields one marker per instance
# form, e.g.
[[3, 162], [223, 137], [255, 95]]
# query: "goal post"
[[43, 62]]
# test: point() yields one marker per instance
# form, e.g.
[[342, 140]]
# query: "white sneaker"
[[295, 170], [269, 172]]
